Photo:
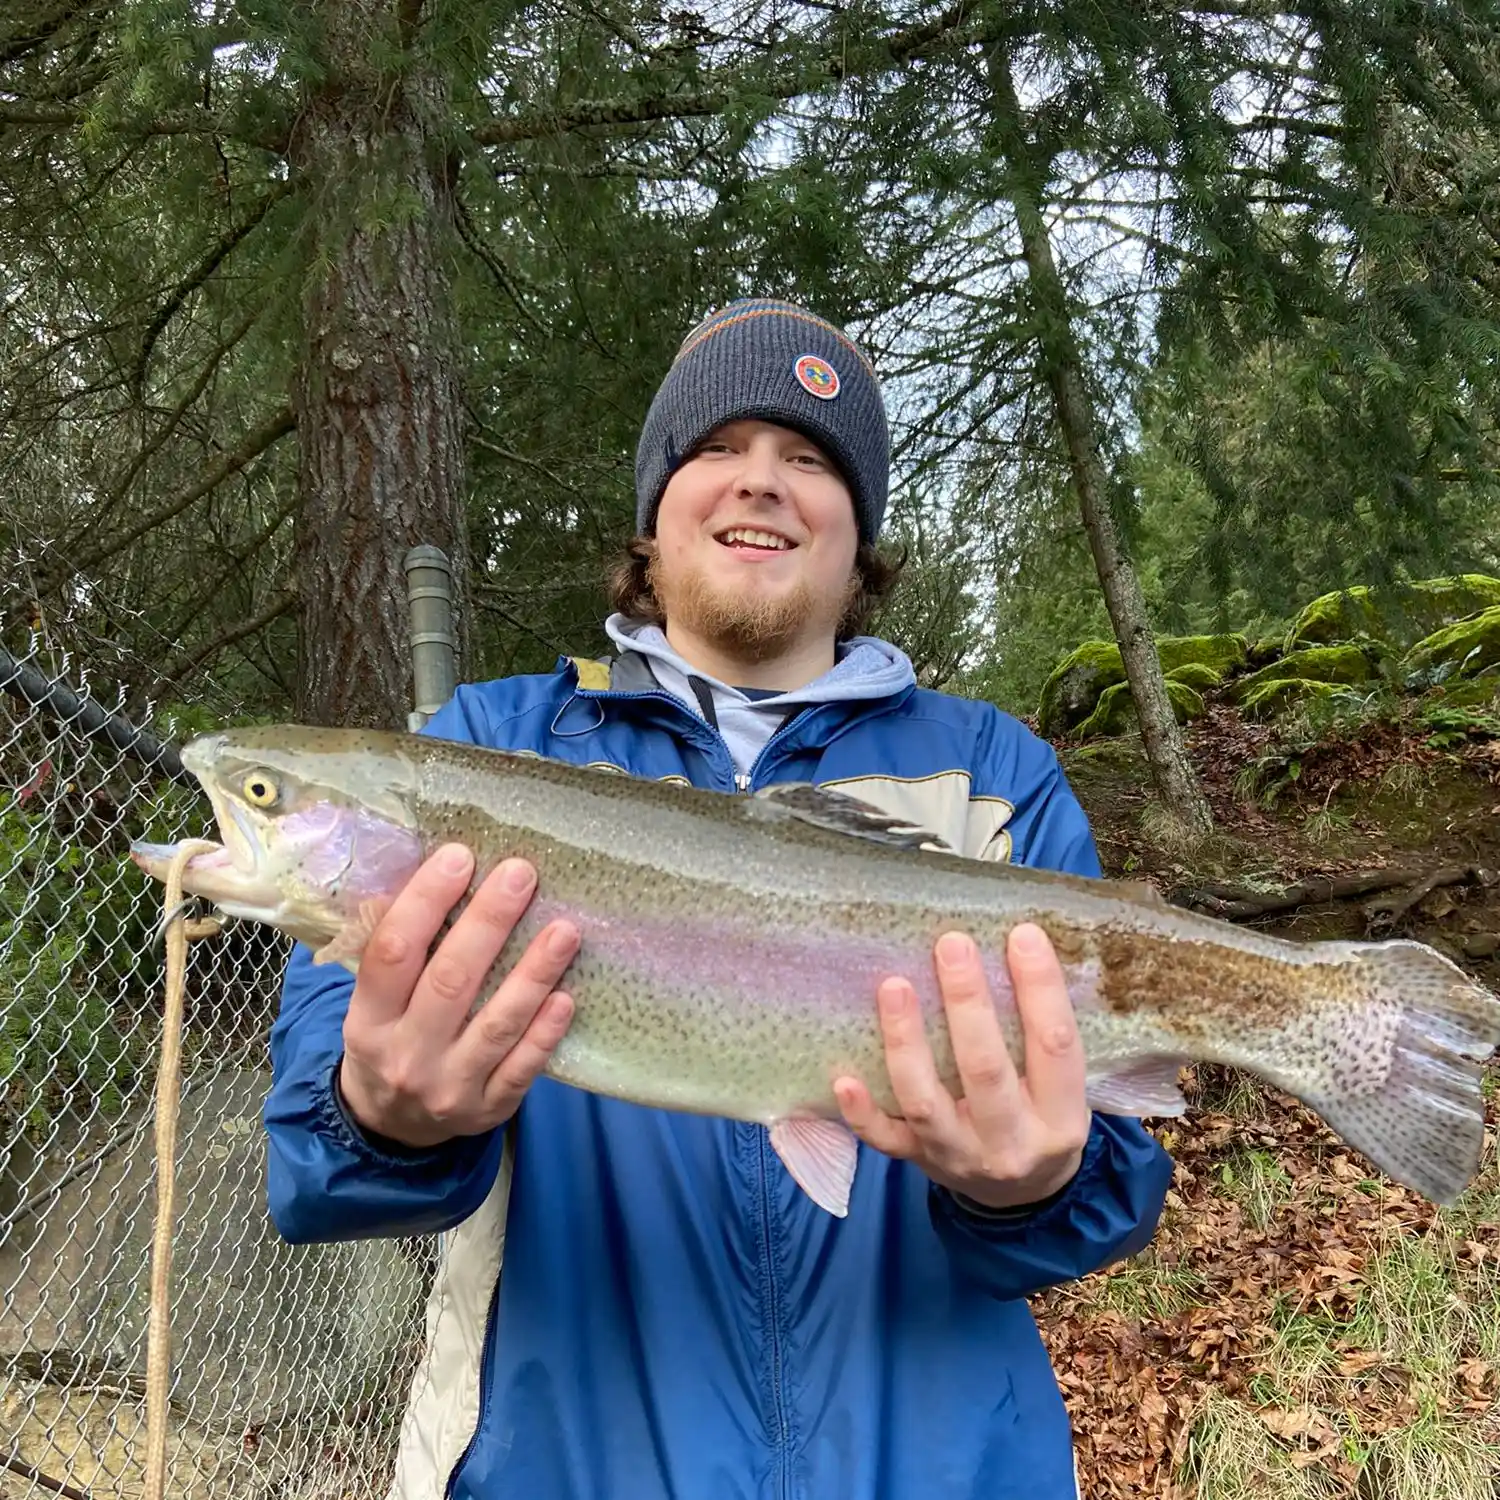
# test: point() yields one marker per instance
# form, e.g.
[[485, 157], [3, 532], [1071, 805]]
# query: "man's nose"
[[761, 471]]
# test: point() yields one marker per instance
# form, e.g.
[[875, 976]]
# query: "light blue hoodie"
[[867, 668]]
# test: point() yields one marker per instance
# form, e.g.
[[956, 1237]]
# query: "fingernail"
[[561, 940], [953, 949], [1030, 941], [893, 998], [454, 860], [516, 874]]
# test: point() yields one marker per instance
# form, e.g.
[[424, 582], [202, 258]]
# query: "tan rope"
[[179, 932]]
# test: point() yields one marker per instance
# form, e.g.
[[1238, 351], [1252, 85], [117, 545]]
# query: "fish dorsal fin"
[[841, 814]]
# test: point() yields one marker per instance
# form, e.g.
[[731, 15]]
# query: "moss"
[[1463, 649], [1073, 691], [1345, 664], [1401, 613], [1224, 653], [1116, 711], [1196, 674], [1278, 693]]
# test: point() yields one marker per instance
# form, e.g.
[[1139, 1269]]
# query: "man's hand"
[[416, 1068], [1009, 1141]]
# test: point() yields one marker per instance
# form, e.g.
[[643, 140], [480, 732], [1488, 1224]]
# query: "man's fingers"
[[871, 1123], [500, 1023], [985, 1068], [925, 1104], [396, 954], [451, 981], [525, 1061], [1056, 1071]]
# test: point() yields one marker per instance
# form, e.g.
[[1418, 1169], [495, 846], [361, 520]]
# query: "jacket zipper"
[[778, 1396]]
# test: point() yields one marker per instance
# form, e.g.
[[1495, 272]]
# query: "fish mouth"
[[233, 874]]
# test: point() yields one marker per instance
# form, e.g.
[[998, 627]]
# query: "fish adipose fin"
[[840, 814], [821, 1155], [1145, 1087], [1423, 1122]]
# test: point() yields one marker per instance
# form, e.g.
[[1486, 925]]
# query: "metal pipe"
[[434, 647], [31, 684]]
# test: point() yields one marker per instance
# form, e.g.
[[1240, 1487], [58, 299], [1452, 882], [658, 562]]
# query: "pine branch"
[[469, 234], [122, 486], [236, 559], [19, 112], [30, 36], [181, 665], [592, 114], [230, 464], [200, 274]]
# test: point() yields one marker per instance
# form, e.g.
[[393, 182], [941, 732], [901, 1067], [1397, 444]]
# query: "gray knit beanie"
[[775, 362]]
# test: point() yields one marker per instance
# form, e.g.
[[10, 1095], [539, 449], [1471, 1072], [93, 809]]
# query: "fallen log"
[[1236, 905]]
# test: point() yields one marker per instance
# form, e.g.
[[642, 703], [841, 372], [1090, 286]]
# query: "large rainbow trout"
[[732, 946]]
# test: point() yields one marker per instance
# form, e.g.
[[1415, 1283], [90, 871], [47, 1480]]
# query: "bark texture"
[[1062, 367], [378, 399]]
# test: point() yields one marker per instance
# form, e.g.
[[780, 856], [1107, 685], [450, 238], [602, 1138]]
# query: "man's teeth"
[[754, 538]]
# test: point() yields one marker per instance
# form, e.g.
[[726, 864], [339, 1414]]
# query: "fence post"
[[434, 648]]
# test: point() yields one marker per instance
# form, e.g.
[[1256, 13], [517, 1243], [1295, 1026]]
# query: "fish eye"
[[259, 789]]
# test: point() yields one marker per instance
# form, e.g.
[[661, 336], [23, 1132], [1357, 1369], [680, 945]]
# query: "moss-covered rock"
[[1196, 674], [1277, 694], [1464, 649], [1401, 613], [1073, 691], [1337, 664], [1116, 711], [1264, 651]]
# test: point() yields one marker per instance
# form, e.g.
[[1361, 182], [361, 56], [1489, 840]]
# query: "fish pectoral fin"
[[1146, 1086], [347, 946], [821, 1155], [841, 814]]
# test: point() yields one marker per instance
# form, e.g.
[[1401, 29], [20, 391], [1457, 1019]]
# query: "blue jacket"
[[675, 1319]]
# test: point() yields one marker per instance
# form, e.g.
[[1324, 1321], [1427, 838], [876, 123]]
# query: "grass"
[[1426, 1313], [1232, 1455], [1258, 1180], [1144, 1287]]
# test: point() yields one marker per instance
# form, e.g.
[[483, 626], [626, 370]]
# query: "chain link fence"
[[290, 1365]]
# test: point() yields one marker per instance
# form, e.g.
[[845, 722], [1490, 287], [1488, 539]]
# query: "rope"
[[179, 932]]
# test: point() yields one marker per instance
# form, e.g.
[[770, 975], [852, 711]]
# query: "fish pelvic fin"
[[347, 946], [821, 1155], [1420, 1118]]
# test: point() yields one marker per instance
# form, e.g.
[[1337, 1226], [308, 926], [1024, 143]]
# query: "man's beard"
[[748, 626]]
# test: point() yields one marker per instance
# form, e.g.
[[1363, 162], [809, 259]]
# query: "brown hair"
[[631, 594]]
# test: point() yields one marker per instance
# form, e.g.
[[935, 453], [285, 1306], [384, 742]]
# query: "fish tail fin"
[[1404, 1087]]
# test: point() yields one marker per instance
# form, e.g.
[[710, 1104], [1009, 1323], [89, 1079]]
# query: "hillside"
[[1299, 1330]]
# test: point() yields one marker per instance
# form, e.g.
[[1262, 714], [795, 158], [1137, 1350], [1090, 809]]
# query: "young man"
[[676, 1320]]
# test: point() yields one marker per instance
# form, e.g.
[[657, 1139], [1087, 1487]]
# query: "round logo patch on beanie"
[[817, 377]]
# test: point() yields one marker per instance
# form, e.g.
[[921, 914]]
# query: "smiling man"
[[676, 1319]]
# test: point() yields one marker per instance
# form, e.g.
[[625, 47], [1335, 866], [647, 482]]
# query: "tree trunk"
[[1062, 366], [378, 401]]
